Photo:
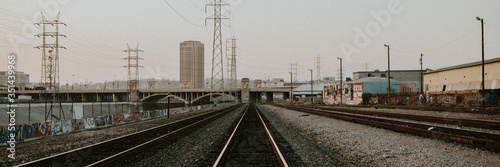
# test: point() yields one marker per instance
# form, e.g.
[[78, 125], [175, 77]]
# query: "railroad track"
[[495, 125], [478, 139], [470, 110], [113, 151], [251, 144]]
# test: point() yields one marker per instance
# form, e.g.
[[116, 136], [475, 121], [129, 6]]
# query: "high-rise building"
[[192, 59]]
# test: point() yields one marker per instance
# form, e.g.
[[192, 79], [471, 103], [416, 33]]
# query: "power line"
[[181, 15], [441, 46]]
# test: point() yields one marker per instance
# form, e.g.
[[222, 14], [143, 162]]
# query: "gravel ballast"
[[361, 145], [447, 114], [54, 144], [190, 149]]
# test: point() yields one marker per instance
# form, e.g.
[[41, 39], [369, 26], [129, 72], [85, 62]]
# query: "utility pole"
[[291, 88], [341, 86], [388, 71], [133, 70], [421, 75], [217, 78], [482, 60], [318, 68], [293, 68], [312, 97]]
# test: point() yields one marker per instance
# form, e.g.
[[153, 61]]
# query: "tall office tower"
[[192, 59]]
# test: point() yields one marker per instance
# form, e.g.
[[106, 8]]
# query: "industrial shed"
[[353, 90], [463, 78]]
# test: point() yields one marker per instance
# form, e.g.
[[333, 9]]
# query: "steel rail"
[[230, 140], [456, 121], [80, 153], [448, 134], [277, 151]]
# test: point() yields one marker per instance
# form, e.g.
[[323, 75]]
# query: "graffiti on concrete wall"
[[89, 123], [67, 126], [29, 130], [127, 117], [136, 116], [56, 127], [144, 115], [101, 121], [79, 124], [118, 119], [152, 114], [5, 133], [43, 129]]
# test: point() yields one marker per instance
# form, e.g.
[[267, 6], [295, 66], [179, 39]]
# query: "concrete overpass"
[[146, 95]]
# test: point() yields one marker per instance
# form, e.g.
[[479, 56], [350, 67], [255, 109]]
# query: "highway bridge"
[[189, 96]]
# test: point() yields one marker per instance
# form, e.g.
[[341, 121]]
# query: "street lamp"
[[482, 58], [312, 97], [291, 89], [341, 86], [421, 75], [388, 71]]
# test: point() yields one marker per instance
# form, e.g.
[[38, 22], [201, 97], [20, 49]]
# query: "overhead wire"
[[488, 24], [181, 15], [441, 46]]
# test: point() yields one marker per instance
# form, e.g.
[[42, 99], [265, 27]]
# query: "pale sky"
[[271, 35]]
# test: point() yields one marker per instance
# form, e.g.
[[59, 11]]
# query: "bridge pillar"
[[245, 90], [257, 83], [68, 97], [84, 99], [134, 95], [98, 98], [115, 99], [269, 97]]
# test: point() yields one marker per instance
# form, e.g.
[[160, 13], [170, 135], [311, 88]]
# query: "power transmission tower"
[[318, 68], [293, 69], [232, 70], [133, 70], [50, 61], [217, 78], [50, 58]]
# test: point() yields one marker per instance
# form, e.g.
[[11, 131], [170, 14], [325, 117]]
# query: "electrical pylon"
[[233, 80], [318, 68], [50, 58], [217, 78], [293, 69], [133, 67]]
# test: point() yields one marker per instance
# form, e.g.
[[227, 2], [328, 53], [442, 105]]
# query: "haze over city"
[[271, 35]]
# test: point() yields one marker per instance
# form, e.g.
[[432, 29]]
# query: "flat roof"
[[476, 63], [386, 71]]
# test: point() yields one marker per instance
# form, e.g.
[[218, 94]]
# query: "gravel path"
[[190, 149], [54, 144], [361, 145]]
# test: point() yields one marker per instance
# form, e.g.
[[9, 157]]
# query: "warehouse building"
[[352, 91], [464, 78]]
